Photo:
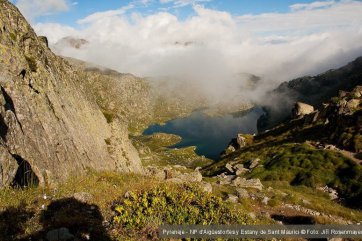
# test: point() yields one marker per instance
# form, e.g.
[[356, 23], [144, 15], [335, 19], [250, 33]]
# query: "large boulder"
[[301, 109], [250, 183]]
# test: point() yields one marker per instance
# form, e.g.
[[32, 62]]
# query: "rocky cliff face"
[[49, 125]]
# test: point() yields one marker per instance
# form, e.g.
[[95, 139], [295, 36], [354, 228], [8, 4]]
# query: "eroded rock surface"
[[47, 119]]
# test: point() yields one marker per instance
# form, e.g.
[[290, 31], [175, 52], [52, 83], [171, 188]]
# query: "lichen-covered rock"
[[47, 119]]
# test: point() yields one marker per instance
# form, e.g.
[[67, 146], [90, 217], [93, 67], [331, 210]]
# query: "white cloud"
[[213, 47], [311, 6], [183, 3], [99, 16], [34, 8], [54, 31]]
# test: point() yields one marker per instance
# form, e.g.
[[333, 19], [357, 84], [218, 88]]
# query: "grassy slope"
[[27, 217]]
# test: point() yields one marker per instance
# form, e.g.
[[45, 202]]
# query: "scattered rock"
[[178, 177], [357, 92], [252, 215], [196, 176], [251, 183], [229, 167], [353, 104], [306, 202], [254, 163], [225, 179], [207, 187], [303, 209], [83, 197], [239, 169], [265, 200], [240, 139], [232, 198], [330, 147], [333, 194], [270, 189], [242, 193], [61, 234]]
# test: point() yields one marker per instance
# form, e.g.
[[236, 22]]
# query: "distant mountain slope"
[[50, 126], [313, 90], [139, 102]]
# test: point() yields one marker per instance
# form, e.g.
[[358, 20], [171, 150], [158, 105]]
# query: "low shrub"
[[181, 204]]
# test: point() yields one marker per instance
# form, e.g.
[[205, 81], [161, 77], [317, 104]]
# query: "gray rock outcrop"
[[48, 122]]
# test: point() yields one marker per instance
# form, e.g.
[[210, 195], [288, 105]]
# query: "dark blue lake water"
[[210, 135]]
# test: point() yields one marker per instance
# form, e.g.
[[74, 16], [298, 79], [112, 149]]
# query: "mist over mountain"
[[210, 48], [313, 90]]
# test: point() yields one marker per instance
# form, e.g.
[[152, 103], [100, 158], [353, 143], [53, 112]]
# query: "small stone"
[[240, 169], [252, 215], [225, 179], [254, 163], [83, 197], [265, 200], [127, 194], [242, 193], [232, 198], [229, 167], [207, 187]]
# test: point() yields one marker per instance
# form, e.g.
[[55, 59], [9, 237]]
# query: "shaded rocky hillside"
[[313, 90], [318, 147], [137, 101], [50, 126]]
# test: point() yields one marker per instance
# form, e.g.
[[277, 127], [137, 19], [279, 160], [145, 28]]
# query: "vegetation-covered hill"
[[315, 149]]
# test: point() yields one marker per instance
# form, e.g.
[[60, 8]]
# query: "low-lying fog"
[[214, 49]]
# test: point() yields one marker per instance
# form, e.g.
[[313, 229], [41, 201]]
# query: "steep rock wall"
[[46, 118]]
